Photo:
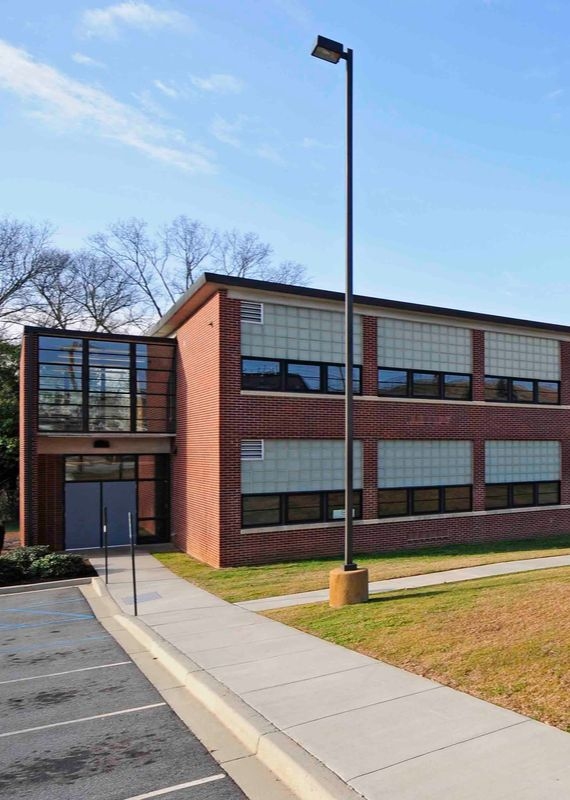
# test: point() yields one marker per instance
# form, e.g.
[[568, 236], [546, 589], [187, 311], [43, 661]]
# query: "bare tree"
[[241, 254], [190, 243], [290, 272], [53, 296], [21, 244], [129, 247]]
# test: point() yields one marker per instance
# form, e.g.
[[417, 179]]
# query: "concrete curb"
[[301, 772], [39, 587]]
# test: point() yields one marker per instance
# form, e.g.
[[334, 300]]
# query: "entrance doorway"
[[84, 504]]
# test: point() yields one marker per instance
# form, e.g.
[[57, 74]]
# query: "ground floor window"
[[409, 501], [521, 494], [294, 508]]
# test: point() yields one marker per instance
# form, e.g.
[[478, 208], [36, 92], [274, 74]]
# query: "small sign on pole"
[[132, 541]]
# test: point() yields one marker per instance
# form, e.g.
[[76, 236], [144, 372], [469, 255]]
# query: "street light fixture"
[[333, 52]]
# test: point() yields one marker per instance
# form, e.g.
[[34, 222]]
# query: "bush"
[[24, 557], [10, 571], [59, 565]]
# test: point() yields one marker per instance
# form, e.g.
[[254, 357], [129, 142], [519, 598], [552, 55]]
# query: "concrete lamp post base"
[[347, 587]]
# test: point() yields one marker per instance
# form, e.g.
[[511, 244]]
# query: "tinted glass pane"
[[100, 401], [60, 377], [58, 422], [496, 495], [392, 502], [260, 510], [154, 356], [260, 374], [523, 391], [303, 377], [425, 384], [55, 350], [303, 508], [335, 379], [109, 360], [457, 498], [99, 468], [105, 380], [335, 505], [457, 387], [548, 493], [59, 398], [548, 392], [108, 346], [152, 530], [152, 499], [425, 501], [497, 389], [392, 382], [523, 494], [112, 418]]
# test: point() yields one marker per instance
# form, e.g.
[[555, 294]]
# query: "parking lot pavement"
[[80, 721]]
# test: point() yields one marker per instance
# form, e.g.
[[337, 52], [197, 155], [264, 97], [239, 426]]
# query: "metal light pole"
[[349, 584], [332, 51]]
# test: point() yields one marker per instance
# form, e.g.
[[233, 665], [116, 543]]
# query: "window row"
[[407, 502], [518, 495], [279, 375], [521, 390], [296, 507], [419, 383]]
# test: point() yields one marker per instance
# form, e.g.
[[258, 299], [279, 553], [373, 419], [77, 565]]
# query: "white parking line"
[[177, 788], [67, 672], [81, 719]]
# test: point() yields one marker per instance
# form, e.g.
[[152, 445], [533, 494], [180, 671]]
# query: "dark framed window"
[[427, 384], [295, 508], [105, 385], [258, 373], [401, 502], [303, 507], [285, 375], [521, 390], [303, 377], [522, 494]]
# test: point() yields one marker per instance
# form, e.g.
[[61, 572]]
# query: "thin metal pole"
[[348, 335], [106, 543], [132, 541]]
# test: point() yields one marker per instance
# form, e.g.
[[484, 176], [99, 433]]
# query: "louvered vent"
[[251, 312], [252, 450]]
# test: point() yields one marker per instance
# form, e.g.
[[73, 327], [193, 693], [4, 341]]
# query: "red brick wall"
[[50, 501], [28, 461], [195, 509], [281, 417]]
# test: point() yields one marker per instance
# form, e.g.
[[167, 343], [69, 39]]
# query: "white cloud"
[[554, 94], [269, 153], [228, 132], [220, 83], [166, 89], [87, 61], [105, 22], [70, 104]]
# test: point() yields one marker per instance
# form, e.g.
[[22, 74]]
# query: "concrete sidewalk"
[[414, 581], [388, 734]]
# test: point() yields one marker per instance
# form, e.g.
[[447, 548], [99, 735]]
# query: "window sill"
[[420, 400]]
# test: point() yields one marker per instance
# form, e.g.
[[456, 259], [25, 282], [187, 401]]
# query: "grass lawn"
[[506, 640], [249, 583]]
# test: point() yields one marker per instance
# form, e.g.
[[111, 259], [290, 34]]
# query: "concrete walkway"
[[414, 581], [388, 734]]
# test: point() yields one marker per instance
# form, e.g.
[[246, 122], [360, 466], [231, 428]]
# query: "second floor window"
[[423, 384], [521, 390], [308, 377]]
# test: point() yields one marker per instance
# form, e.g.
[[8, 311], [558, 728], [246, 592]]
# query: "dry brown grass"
[[505, 639]]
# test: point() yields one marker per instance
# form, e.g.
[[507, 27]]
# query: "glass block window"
[[519, 462], [423, 346], [519, 356], [423, 463]]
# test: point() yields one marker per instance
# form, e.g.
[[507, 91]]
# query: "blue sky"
[[214, 109]]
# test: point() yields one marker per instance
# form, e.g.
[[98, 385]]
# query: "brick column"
[[565, 373], [479, 475], [370, 479], [478, 345], [370, 356]]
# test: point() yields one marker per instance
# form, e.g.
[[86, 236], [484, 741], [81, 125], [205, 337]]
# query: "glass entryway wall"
[[149, 474], [91, 385]]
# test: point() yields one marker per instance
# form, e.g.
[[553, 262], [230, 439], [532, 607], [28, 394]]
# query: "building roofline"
[[210, 281], [39, 330]]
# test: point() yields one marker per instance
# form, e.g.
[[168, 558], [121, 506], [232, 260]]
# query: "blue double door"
[[84, 505]]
